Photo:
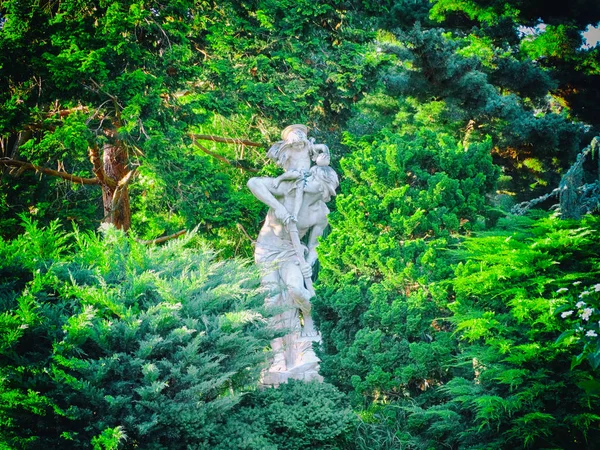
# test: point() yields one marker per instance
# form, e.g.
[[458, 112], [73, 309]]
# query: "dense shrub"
[[524, 301], [294, 416], [106, 340], [407, 196]]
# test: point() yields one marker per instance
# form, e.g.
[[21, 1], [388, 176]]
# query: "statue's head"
[[328, 179], [295, 140], [294, 133]]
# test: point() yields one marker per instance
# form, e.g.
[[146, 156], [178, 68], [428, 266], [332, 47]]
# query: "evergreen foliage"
[[294, 416], [144, 76], [487, 90], [446, 323], [147, 75], [408, 193], [550, 36], [522, 371], [105, 339], [508, 295]]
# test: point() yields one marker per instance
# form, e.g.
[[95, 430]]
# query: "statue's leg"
[[300, 296], [294, 284]]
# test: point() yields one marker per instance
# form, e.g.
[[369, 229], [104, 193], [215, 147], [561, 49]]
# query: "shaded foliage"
[[296, 416], [445, 330], [518, 387]]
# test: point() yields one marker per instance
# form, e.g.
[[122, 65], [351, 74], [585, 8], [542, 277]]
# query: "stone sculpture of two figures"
[[286, 246]]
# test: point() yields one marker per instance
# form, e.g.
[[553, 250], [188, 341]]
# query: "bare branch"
[[114, 99], [142, 129], [235, 163], [161, 29], [162, 239], [22, 166], [243, 230], [39, 126], [127, 178], [207, 137], [61, 113], [89, 119]]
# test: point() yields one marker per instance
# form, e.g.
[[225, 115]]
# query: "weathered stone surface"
[[286, 246]]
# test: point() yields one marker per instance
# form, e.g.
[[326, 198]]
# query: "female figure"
[[297, 212]]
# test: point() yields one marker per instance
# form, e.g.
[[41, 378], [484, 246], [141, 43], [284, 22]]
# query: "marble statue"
[[286, 246]]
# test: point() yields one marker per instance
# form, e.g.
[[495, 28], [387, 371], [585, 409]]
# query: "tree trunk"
[[115, 192]]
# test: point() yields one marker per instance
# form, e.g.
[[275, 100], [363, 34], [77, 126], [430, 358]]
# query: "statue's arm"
[[321, 155], [264, 190], [313, 240], [290, 175], [320, 148]]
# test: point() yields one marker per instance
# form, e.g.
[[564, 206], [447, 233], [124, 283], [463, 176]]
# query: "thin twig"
[[114, 99], [163, 32], [162, 239], [89, 119], [243, 230], [234, 163], [65, 112], [206, 137]]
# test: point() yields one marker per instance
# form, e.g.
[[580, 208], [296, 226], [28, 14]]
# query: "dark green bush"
[[294, 416], [106, 340], [406, 197]]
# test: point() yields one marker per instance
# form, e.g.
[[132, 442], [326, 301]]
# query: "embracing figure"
[[286, 246]]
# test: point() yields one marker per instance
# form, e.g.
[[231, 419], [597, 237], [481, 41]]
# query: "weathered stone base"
[[276, 378], [301, 363]]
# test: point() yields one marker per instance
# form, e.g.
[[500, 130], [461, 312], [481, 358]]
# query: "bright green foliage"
[[105, 340], [295, 61], [107, 344], [154, 72], [189, 189], [75, 75], [498, 77], [505, 307], [109, 439], [488, 14], [147, 74], [518, 388], [406, 196]]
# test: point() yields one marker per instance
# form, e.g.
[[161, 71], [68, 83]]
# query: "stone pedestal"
[[300, 363]]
